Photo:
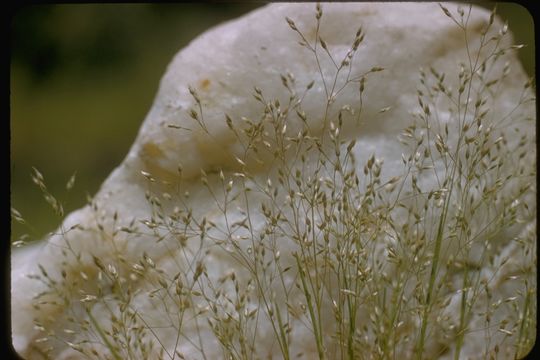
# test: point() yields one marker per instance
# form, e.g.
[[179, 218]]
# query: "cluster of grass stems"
[[370, 262]]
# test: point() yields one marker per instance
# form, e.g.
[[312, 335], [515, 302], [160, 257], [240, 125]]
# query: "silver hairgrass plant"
[[373, 267]]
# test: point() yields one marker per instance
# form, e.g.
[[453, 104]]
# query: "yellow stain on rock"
[[205, 84], [150, 154], [151, 150]]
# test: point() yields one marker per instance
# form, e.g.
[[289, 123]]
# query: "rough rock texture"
[[125, 226]]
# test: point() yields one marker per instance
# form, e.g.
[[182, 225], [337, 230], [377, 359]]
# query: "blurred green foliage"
[[83, 78]]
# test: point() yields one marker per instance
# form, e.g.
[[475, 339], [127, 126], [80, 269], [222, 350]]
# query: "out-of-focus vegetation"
[[83, 78]]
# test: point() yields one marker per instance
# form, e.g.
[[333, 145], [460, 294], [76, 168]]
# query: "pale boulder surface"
[[135, 271]]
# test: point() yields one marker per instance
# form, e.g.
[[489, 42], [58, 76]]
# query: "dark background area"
[[83, 78]]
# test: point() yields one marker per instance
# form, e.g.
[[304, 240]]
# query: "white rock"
[[223, 66]]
